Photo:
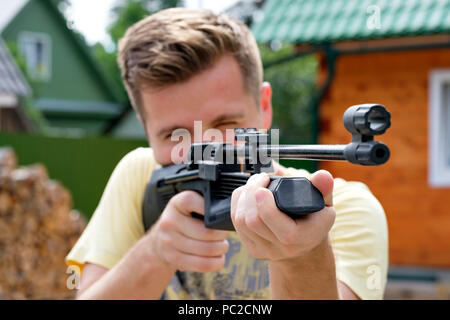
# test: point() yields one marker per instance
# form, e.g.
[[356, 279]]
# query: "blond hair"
[[175, 44]]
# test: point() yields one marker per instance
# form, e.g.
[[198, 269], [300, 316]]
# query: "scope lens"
[[378, 120]]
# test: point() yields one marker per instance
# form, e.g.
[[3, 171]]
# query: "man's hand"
[[183, 242], [300, 254], [268, 233], [176, 241]]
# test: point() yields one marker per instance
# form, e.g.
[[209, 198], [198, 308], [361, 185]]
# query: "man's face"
[[216, 97]]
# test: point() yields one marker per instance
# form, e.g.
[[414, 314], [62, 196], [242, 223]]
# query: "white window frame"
[[438, 124], [46, 39]]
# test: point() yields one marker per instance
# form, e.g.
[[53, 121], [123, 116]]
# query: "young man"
[[180, 66]]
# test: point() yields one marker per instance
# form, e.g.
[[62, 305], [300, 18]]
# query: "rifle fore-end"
[[217, 195]]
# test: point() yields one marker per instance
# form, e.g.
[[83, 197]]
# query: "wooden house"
[[69, 87], [395, 53], [13, 87]]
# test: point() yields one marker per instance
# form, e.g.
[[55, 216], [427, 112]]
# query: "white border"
[[438, 171]]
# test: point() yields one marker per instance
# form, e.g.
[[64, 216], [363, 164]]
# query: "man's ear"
[[266, 104], [144, 126], [138, 115]]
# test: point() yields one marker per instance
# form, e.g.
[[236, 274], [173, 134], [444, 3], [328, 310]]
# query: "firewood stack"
[[37, 229]]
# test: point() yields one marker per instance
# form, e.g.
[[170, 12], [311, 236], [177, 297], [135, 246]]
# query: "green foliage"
[[293, 85], [125, 14], [33, 113], [29, 107], [108, 61]]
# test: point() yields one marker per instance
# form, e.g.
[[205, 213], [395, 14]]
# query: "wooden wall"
[[418, 216]]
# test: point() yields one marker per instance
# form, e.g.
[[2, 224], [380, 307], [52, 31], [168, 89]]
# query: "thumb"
[[323, 180], [269, 211]]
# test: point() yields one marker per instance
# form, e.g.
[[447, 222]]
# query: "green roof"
[[318, 21]]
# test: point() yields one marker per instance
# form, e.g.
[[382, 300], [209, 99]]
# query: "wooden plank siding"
[[418, 216]]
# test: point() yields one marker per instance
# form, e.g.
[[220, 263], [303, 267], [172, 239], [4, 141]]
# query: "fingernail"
[[259, 197]]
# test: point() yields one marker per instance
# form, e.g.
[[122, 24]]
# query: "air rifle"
[[216, 169]]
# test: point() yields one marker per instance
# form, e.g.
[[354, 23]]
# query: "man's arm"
[[93, 272], [345, 293], [312, 276], [139, 275]]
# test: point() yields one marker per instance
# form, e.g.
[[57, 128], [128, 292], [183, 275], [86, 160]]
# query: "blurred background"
[[65, 116]]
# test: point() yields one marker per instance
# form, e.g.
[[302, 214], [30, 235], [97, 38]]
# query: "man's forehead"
[[212, 96], [222, 80]]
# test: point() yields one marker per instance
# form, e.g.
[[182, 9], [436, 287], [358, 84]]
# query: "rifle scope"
[[362, 121]]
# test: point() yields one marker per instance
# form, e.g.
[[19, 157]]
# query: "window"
[[36, 49], [439, 129]]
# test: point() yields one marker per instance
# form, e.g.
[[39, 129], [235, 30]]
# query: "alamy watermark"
[[374, 280], [374, 19], [73, 280], [214, 139]]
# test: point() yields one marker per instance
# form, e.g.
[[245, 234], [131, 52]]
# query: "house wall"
[[418, 215], [72, 78], [10, 120]]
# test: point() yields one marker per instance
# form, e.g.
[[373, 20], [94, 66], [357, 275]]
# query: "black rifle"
[[216, 169]]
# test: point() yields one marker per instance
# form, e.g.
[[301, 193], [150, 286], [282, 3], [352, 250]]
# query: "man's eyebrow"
[[170, 129], [226, 117]]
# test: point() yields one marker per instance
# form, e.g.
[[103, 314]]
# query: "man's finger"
[[234, 199], [198, 247], [278, 222], [195, 229], [240, 219], [258, 180], [323, 180], [189, 201]]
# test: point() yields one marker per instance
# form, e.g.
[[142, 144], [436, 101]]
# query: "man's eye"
[[227, 124], [167, 136]]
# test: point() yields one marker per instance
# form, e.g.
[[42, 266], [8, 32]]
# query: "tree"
[[33, 113], [293, 84], [294, 93], [125, 14]]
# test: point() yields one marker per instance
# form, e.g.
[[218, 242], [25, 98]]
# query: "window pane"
[[36, 53], [30, 57]]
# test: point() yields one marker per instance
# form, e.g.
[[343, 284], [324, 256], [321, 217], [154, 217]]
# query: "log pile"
[[37, 229]]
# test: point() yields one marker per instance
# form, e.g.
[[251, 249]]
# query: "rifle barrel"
[[307, 152]]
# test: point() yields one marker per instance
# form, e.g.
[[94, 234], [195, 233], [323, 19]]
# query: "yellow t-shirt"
[[359, 239]]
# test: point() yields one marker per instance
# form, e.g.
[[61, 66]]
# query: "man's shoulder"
[[352, 190], [134, 169], [138, 155], [138, 160], [353, 200]]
